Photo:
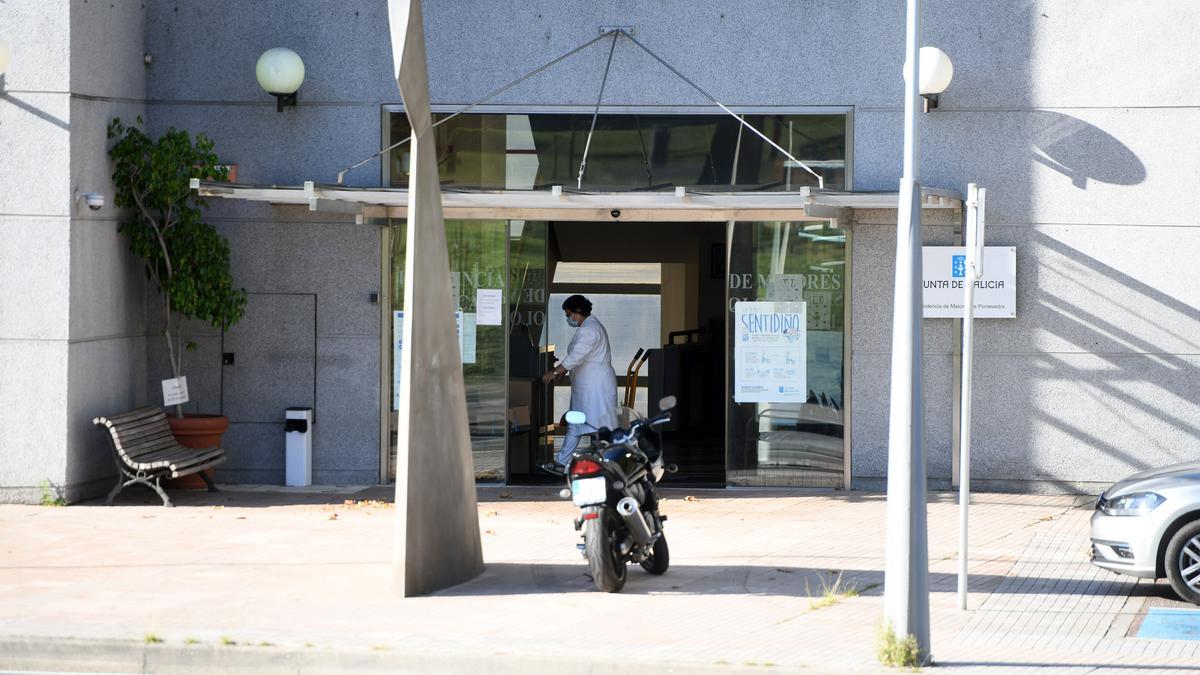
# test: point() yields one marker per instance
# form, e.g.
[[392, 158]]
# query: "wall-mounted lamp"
[[936, 73], [280, 72]]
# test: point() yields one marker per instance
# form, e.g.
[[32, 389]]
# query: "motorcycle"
[[613, 484]]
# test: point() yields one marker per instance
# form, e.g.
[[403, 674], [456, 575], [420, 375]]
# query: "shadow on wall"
[[1114, 371], [1083, 152], [32, 109]]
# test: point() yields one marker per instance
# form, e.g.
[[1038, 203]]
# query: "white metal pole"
[[906, 592], [964, 448], [974, 251]]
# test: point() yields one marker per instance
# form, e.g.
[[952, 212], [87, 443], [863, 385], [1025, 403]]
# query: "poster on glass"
[[770, 341]]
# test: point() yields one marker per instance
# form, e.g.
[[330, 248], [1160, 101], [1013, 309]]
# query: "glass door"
[[530, 414], [477, 250], [787, 295]]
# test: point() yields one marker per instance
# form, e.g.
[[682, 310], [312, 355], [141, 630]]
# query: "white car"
[[1148, 525]]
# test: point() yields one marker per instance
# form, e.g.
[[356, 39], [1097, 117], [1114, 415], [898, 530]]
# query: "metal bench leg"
[[122, 476], [212, 487], [116, 489]]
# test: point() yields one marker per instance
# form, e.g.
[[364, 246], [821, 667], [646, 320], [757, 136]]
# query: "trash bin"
[[297, 431]]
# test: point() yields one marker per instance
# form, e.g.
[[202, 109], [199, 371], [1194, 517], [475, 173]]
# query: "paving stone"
[[293, 568]]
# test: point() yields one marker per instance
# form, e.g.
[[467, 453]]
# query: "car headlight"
[[1136, 504]]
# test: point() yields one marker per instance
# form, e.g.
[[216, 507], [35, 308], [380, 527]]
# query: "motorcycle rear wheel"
[[660, 557], [601, 540]]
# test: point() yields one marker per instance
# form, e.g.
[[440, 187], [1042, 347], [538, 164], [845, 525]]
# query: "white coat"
[[593, 381]]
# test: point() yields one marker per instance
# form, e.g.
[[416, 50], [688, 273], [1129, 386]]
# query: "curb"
[[36, 653]]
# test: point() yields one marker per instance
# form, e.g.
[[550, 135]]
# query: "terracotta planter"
[[196, 431]]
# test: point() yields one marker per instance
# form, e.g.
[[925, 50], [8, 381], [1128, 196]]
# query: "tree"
[[187, 260]]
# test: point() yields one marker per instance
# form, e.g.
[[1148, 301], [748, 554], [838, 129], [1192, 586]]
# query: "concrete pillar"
[[72, 322]]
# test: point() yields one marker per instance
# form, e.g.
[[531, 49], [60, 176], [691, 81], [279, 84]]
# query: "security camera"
[[615, 213], [94, 200]]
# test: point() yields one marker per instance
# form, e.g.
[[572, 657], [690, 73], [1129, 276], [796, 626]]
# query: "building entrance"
[[657, 288], [751, 412]]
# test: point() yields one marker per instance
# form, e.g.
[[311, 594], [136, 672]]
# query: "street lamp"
[[936, 73], [280, 72], [906, 571]]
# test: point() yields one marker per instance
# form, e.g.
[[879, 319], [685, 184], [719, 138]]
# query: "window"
[[496, 151]]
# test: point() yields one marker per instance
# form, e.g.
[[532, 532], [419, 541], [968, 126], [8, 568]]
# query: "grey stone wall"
[[1086, 146], [311, 335], [107, 354]]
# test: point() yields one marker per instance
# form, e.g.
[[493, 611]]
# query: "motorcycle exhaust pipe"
[[628, 508]]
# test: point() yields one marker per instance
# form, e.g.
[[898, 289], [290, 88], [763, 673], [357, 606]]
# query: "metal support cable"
[[645, 157], [820, 179], [342, 174], [596, 113]]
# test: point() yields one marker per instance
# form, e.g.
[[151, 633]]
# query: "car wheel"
[[1183, 562]]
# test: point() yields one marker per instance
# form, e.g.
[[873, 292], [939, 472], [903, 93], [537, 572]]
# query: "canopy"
[[558, 203]]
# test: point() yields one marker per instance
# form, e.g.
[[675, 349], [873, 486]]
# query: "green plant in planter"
[[187, 260]]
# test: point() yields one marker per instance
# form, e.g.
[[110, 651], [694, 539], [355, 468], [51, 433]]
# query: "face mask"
[[572, 322]]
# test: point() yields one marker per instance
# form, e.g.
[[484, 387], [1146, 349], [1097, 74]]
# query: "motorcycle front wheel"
[[601, 540]]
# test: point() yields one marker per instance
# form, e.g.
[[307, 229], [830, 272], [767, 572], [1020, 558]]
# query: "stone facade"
[[1087, 148]]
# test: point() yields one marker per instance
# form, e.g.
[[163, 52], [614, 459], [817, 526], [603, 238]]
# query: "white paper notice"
[[489, 306], [397, 360], [468, 337], [175, 391], [770, 352]]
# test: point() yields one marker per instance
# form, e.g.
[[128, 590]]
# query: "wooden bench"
[[146, 451]]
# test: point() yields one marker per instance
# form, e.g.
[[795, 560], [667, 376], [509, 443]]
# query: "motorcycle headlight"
[[1136, 504]]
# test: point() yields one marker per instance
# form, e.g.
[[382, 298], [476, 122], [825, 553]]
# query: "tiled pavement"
[[300, 581]]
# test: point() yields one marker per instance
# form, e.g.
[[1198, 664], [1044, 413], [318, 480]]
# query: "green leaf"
[[163, 221]]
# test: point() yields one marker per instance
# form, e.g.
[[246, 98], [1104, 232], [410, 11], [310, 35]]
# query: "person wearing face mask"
[[593, 381]]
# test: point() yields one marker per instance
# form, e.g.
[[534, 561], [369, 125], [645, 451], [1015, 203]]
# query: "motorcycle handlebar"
[[606, 435], [660, 419]]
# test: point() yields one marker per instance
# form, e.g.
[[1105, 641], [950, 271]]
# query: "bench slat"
[[142, 427], [197, 468], [180, 455], [193, 460], [182, 460], [131, 443], [135, 415], [143, 451]]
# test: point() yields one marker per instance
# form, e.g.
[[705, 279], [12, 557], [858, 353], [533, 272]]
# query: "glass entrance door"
[[530, 402], [787, 308], [498, 279], [477, 250]]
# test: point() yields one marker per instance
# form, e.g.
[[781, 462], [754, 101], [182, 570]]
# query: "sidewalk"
[[283, 581]]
